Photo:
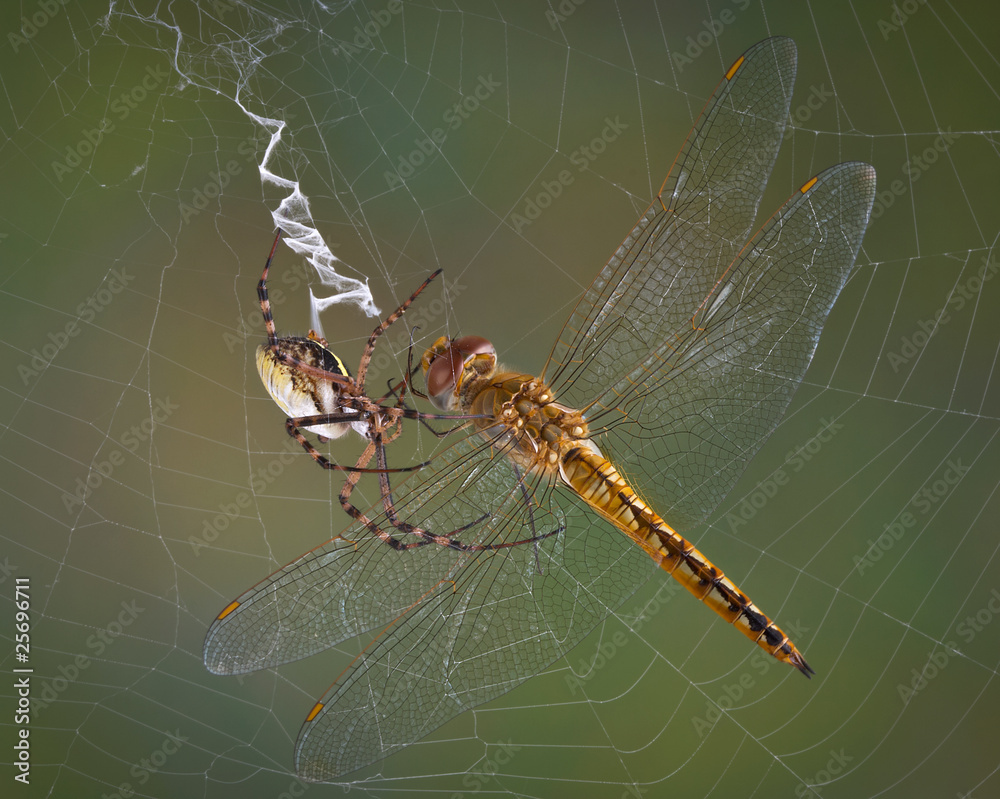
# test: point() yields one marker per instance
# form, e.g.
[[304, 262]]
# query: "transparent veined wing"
[[686, 397], [704, 402], [356, 582], [346, 586], [477, 623], [690, 234]]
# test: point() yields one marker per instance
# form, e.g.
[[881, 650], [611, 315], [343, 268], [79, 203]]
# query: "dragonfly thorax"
[[518, 414], [515, 412]]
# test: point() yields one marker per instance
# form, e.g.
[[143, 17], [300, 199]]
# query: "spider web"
[[151, 148]]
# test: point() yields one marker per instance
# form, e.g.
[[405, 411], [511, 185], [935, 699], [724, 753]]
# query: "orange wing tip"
[[734, 67], [227, 610], [809, 185], [314, 712]]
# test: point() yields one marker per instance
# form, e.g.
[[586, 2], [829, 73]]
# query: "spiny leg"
[[412, 413], [352, 481], [449, 540], [366, 356], [376, 448], [292, 426], [265, 302], [274, 343]]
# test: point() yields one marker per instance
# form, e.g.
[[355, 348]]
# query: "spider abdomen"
[[300, 393]]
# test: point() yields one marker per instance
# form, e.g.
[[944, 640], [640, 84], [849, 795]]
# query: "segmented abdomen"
[[600, 485]]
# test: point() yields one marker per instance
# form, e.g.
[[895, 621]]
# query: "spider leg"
[[440, 433], [378, 331], [390, 509], [376, 449], [292, 426], [412, 413], [265, 302], [375, 446], [411, 370], [450, 540], [368, 407]]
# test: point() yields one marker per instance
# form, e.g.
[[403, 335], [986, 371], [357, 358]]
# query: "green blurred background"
[[133, 229]]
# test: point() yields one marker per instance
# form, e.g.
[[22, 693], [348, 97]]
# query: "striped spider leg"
[[316, 390]]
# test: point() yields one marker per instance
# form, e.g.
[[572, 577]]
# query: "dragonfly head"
[[451, 364]]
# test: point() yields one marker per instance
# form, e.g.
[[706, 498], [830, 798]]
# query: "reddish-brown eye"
[[473, 345], [442, 376], [445, 370]]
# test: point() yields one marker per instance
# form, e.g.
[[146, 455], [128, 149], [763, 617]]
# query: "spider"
[[316, 390]]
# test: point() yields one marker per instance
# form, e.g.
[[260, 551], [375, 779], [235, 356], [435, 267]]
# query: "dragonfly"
[[672, 370]]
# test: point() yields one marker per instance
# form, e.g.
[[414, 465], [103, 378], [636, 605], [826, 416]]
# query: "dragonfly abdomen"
[[598, 483]]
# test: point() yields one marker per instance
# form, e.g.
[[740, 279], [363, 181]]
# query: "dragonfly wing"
[[690, 234], [350, 584], [356, 582], [685, 423], [496, 618]]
